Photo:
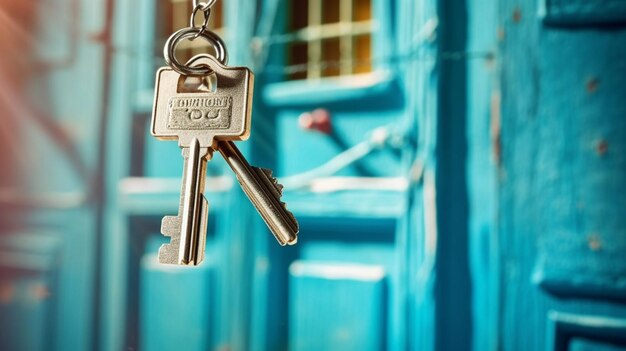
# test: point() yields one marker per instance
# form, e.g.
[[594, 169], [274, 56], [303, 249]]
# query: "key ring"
[[169, 51]]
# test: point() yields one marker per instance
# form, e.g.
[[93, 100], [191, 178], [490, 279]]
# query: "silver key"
[[264, 192], [208, 116], [197, 114]]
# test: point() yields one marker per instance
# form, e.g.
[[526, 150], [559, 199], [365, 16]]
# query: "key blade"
[[171, 226], [187, 231], [264, 192], [271, 183], [265, 175], [194, 206], [281, 222]]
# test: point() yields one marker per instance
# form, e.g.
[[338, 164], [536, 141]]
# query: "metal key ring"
[[169, 51]]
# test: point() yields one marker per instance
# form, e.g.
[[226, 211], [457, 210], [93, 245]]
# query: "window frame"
[[282, 92], [316, 32]]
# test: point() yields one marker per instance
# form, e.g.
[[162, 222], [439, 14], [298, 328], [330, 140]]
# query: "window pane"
[[299, 14], [180, 14], [217, 16], [331, 57], [334, 46], [330, 11], [363, 54], [298, 55], [362, 10]]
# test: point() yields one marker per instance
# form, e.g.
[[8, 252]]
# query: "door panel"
[[28, 284], [560, 224], [176, 303], [336, 306]]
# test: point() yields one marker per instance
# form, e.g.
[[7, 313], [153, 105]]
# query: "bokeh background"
[[457, 168]]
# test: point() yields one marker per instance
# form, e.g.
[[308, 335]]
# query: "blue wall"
[[490, 217]]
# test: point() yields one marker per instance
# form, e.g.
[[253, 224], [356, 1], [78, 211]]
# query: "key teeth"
[[291, 216], [168, 253], [279, 187], [268, 174], [289, 236], [170, 225]]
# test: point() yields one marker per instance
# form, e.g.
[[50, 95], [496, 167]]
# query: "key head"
[[220, 111]]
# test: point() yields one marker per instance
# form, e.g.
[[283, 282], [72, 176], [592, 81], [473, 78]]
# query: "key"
[[264, 192], [209, 116], [192, 111]]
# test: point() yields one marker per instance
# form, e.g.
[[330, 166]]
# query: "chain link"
[[204, 6], [205, 22], [194, 32]]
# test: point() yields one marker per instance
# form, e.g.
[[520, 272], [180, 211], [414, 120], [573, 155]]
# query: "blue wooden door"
[[324, 98], [548, 238]]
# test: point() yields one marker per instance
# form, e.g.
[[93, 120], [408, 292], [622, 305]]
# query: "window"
[[329, 38], [177, 12]]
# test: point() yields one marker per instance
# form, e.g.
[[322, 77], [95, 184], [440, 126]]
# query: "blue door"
[[546, 182]]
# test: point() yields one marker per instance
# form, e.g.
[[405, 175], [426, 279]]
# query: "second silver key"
[[264, 192]]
